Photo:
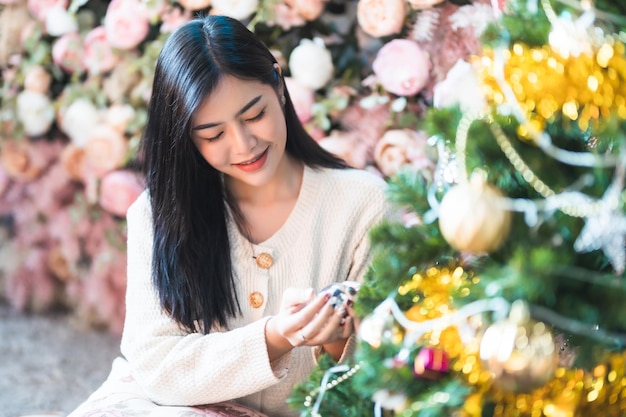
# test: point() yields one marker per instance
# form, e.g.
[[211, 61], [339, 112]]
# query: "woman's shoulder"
[[352, 181], [351, 185], [140, 207]]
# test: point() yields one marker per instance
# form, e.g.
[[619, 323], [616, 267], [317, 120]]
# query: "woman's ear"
[[278, 74], [279, 71]]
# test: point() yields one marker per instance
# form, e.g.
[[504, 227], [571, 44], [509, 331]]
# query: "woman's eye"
[[257, 117], [214, 138]]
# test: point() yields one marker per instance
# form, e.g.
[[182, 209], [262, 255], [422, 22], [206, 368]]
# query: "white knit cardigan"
[[324, 240]]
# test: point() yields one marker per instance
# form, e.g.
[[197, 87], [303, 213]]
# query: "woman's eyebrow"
[[239, 113]]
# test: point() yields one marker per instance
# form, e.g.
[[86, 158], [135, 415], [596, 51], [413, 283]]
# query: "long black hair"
[[191, 260]]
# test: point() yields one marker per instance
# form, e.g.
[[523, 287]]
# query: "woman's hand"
[[306, 320]]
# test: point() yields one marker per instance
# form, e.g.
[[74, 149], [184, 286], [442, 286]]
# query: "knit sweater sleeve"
[[174, 366]]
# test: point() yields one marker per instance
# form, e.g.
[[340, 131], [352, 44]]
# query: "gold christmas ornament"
[[519, 352], [472, 217]]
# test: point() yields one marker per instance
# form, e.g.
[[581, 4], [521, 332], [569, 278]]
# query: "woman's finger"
[[327, 326]]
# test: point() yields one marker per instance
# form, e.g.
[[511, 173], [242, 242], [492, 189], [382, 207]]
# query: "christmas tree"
[[501, 290]]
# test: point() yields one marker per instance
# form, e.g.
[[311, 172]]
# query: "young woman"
[[244, 220]]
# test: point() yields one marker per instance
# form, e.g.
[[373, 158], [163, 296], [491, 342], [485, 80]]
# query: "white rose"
[[461, 86], [238, 9], [78, 121], [59, 21], [35, 111], [311, 64]]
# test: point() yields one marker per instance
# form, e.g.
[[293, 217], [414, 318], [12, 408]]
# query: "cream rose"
[[37, 79], [35, 112], [98, 56], [400, 147], [424, 4], [59, 21], [119, 115], [194, 4], [78, 120], [105, 150], [20, 162], [237, 9], [402, 67], [126, 23], [381, 17], [461, 86], [311, 64], [73, 161]]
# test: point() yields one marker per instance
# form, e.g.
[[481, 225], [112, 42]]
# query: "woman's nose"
[[243, 140]]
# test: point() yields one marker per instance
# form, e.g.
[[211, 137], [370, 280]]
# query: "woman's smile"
[[255, 163]]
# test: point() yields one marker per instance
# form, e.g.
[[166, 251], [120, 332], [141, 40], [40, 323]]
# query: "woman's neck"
[[285, 185]]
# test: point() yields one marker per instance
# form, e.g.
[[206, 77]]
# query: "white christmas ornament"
[[472, 217]]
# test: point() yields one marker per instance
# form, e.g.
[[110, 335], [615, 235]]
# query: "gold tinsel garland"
[[584, 89], [570, 393]]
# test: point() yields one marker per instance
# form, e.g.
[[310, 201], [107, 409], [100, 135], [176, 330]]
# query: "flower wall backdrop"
[[76, 77]]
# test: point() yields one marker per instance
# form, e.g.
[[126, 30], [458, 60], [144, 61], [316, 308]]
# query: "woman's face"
[[240, 130]]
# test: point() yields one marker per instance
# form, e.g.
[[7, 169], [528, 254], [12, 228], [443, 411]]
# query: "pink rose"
[[5, 181], [402, 67], [118, 190], [67, 53], [303, 99], [308, 9], [98, 56], [381, 17], [126, 23], [347, 147], [40, 8]]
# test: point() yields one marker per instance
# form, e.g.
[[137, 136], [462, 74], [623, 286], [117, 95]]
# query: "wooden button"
[[264, 260], [256, 299]]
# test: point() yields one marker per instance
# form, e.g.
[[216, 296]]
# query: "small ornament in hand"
[[342, 293]]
